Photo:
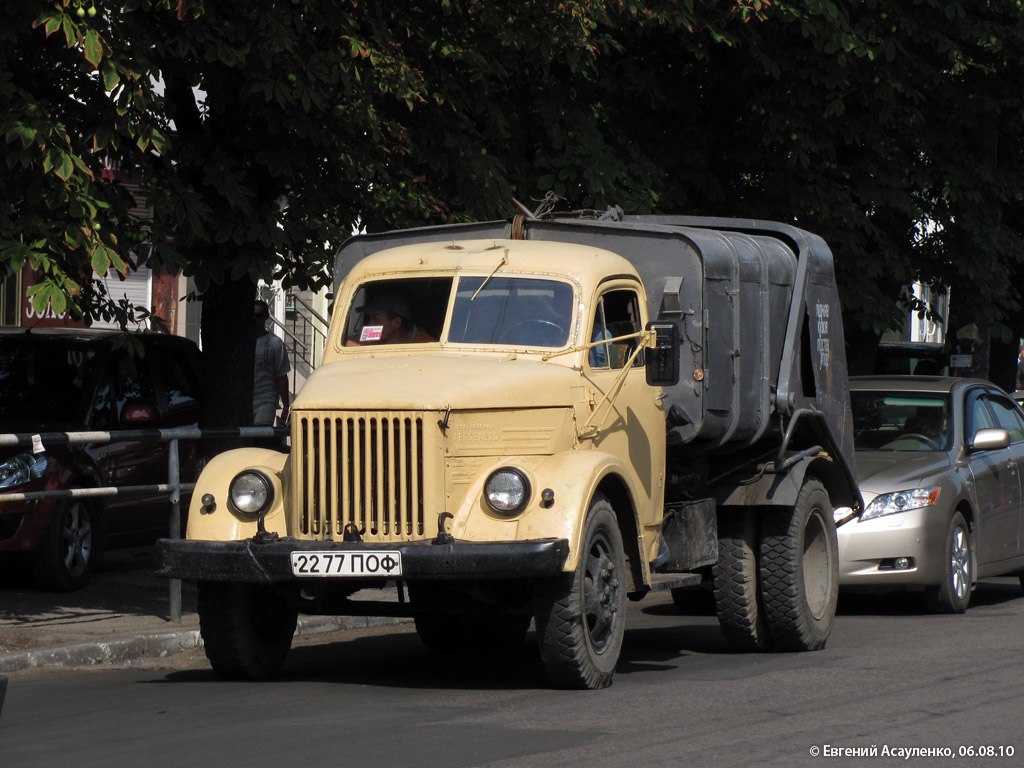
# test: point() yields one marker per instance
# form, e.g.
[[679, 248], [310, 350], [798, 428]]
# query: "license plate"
[[344, 564]]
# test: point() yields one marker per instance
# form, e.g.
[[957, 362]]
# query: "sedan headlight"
[[251, 493], [901, 501], [507, 491], [21, 469]]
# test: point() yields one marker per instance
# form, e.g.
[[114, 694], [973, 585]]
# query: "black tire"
[[737, 594], [471, 634], [581, 616], [247, 629], [954, 593], [73, 546], [800, 571]]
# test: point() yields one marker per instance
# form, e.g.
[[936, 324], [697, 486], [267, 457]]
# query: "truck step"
[[663, 581]]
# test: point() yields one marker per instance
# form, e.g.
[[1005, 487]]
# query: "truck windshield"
[[516, 311]]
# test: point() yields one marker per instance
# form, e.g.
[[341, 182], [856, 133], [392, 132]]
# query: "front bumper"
[[867, 546], [270, 563]]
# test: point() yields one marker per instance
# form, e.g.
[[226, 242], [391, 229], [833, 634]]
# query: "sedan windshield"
[[512, 310], [901, 421]]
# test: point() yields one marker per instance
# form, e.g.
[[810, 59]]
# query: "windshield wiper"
[[502, 263]]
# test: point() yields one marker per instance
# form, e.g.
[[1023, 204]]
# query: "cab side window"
[[617, 314]]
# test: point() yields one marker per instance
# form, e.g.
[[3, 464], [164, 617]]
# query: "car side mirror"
[[662, 361], [990, 439], [139, 413]]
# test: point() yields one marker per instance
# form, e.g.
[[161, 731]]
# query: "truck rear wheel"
[[800, 570], [581, 616], [737, 597], [247, 629]]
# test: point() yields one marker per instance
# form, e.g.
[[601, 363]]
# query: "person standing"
[[270, 372]]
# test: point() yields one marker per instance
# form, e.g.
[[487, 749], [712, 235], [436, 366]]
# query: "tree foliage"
[[262, 132]]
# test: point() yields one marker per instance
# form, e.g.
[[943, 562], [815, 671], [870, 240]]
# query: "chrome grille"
[[361, 469]]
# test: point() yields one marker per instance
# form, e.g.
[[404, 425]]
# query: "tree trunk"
[[229, 342], [1003, 364], [861, 349]]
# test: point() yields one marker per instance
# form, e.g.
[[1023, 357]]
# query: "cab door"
[[628, 419]]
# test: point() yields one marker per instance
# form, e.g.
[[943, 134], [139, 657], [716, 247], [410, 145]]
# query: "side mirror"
[[139, 413], [990, 439], [662, 360]]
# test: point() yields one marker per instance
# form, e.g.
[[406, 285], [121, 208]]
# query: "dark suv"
[[68, 380]]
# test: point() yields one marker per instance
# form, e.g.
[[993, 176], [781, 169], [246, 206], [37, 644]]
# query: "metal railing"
[[39, 442], [307, 337]]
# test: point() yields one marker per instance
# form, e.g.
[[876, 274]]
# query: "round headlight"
[[507, 490], [251, 493]]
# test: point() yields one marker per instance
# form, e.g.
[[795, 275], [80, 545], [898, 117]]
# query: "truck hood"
[[436, 382], [888, 471]]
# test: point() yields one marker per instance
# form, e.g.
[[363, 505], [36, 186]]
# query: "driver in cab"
[[387, 321]]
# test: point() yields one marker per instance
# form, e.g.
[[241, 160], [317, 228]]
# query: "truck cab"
[[534, 375]]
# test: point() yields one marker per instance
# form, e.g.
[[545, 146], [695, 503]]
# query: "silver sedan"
[[939, 462]]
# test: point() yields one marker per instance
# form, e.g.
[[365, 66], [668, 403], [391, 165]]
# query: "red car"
[[68, 380]]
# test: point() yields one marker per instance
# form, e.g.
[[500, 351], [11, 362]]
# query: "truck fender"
[[573, 479], [221, 522], [781, 489]]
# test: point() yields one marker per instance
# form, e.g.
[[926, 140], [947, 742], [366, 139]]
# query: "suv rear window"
[[42, 384]]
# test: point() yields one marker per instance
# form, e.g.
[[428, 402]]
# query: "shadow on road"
[[990, 592], [124, 584], [398, 659]]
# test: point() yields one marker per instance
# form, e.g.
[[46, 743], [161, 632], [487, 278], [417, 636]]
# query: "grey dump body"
[[759, 322]]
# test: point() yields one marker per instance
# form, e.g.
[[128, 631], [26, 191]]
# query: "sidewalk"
[[121, 616]]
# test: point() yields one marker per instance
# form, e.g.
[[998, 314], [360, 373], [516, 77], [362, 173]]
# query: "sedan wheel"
[[71, 549], [954, 593]]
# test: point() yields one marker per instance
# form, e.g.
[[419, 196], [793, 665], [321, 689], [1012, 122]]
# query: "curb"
[[132, 651]]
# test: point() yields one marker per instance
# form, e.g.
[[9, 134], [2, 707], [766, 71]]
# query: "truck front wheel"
[[581, 616], [800, 570], [247, 629]]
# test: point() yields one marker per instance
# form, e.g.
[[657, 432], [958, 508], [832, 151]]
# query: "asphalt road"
[[891, 679]]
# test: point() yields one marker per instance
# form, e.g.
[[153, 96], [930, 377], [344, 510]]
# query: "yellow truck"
[[534, 421]]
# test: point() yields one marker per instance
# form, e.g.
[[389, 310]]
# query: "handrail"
[[308, 321], [38, 443], [326, 323], [295, 339]]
